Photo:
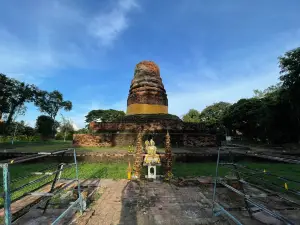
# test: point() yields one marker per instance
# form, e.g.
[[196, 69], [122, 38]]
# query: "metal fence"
[[280, 187], [49, 175]]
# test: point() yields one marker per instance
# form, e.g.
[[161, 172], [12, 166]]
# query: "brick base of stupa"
[[124, 133]]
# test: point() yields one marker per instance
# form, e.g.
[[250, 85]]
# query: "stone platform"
[[183, 201], [151, 203], [190, 203]]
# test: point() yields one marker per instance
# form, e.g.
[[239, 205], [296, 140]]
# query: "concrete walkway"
[[125, 202]]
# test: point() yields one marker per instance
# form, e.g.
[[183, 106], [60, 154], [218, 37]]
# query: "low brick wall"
[[101, 140], [196, 140], [155, 125], [123, 139], [104, 139], [126, 139]]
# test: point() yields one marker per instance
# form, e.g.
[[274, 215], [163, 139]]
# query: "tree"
[[66, 127], [16, 95], [290, 69], [193, 116], [5, 84], [82, 131], [212, 114], [244, 116], [20, 111], [101, 115], [290, 77], [267, 92], [52, 102], [265, 119], [22, 129], [44, 126]]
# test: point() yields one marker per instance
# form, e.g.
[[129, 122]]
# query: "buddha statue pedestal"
[[151, 159]]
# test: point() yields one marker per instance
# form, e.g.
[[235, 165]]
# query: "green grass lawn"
[[119, 171], [53, 145], [35, 146]]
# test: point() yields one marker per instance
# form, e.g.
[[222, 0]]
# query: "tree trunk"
[[11, 113], [65, 136], [13, 138], [53, 127]]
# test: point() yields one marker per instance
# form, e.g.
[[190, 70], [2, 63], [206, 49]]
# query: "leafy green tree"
[[193, 116], [5, 84], [244, 116], [20, 111], [28, 130], [213, 114], [44, 126], [267, 92], [290, 77], [66, 127], [101, 115], [82, 131], [20, 128], [16, 95], [290, 70], [272, 115], [52, 102]]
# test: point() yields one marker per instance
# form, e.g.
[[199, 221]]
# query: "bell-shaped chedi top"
[[147, 94]]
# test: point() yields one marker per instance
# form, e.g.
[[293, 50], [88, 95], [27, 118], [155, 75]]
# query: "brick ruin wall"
[[158, 125], [195, 140], [88, 140], [123, 139], [124, 134]]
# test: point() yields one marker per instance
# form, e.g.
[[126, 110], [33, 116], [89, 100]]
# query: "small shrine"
[[151, 159]]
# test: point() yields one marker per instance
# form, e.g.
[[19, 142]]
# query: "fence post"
[[77, 178], [56, 178], [216, 182], [6, 186]]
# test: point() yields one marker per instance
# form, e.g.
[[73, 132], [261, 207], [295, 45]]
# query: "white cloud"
[[75, 127], [16, 59], [58, 40], [107, 26], [233, 78]]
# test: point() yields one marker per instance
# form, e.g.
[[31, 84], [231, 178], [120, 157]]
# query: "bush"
[[70, 137], [59, 136]]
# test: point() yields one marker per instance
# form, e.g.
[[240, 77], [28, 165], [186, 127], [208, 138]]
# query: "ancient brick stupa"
[[147, 94], [147, 109]]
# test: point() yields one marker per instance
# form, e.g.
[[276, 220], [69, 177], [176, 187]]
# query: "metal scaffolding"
[[255, 178], [44, 174]]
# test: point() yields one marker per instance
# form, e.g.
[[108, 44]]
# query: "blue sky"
[[208, 51]]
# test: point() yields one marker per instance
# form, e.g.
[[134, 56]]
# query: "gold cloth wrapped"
[[146, 109]]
